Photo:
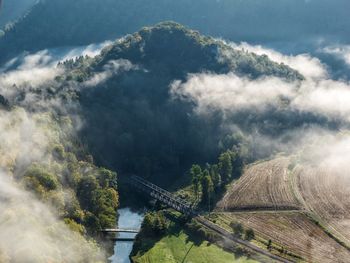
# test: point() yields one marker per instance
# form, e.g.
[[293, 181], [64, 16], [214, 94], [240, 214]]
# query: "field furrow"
[[264, 185], [327, 195], [295, 232]]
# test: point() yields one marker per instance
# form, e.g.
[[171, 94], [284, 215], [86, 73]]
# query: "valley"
[[127, 135]]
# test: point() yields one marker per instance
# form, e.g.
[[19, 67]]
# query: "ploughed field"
[[327, 195], [292, 231], [304, 210], [266, 185]]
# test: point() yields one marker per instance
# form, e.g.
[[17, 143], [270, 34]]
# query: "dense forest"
[[135, 125], [86, 21], [179, 107], [94, 92], [122, 110]]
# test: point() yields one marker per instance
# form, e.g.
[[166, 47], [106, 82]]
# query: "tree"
[[37, 176], [237, 228], [86, 191], [106, 177], [215, 177], [196, 174], [207, 188], [269, 244], [154, 224], [225, 166], [249, 234], [92, 223]]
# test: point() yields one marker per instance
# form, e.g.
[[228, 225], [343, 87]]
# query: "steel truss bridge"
[[162, 196], [184, 207]]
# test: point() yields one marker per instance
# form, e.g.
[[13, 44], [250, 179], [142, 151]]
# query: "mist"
[[317, 97], [30, 232], [307, 119], [32, 229]]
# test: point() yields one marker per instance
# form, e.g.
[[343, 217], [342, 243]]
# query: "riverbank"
[[180, 245], [127, 219]]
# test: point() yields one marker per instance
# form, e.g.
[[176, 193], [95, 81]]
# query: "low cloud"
[[112, 68], [22, 140], [229, 92], [329, 98], [310, 67], [90, 50], [31, 230], [35, 70], [317, 96], [31, 233], [341, 51]]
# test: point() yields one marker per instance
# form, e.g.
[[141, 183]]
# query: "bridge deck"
[[162, 195], [123, 239], [119, 230]]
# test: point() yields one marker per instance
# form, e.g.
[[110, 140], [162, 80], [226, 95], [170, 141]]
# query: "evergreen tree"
[[269, 245], [196, 174], [215, 177], [225, 166], [207, 188], [249, 234], [237, 229]]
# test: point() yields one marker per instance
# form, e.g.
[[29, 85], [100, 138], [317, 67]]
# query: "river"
[[128, 219]]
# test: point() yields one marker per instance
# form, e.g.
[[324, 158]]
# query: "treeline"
[[209, 182], [96, 21]]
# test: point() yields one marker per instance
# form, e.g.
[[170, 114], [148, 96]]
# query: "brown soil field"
[[327, 195], [265, 185], [294, 231], [267, 196]]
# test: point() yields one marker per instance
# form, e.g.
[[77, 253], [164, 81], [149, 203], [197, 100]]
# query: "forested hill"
[[178, 50], [133, 124], [88, 21]]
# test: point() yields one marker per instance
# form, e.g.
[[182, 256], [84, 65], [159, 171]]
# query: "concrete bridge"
[[114, 234], [119, 230]]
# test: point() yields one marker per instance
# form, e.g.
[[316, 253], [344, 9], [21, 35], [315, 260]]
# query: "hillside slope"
[[129, 95], [88, 21]]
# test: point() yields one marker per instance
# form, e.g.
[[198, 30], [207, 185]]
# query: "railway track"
[[231, 237], [182, 206]]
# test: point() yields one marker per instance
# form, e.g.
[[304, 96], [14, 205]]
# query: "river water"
[[128, 219]]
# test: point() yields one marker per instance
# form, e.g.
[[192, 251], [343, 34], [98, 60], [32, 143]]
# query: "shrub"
[[45, 179], [155, 223], [249, 234], [237, 228], [74, 226]]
